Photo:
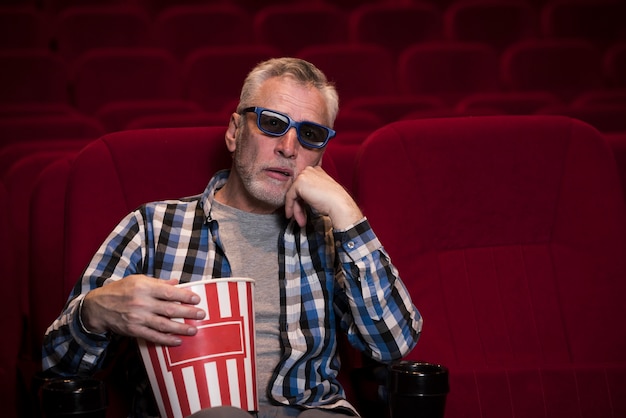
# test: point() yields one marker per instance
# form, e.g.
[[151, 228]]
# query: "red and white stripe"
[[216, 366]]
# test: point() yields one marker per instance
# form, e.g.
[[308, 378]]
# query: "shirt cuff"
[[357, 241]]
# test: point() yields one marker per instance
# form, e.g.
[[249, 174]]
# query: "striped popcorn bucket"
[[215, 367]]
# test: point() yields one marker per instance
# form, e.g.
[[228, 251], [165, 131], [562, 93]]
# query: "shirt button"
[[351, 244]]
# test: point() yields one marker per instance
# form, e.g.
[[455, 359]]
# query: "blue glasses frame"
[[275, 123]]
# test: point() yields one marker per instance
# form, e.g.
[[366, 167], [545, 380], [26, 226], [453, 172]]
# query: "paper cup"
[[217, 366]]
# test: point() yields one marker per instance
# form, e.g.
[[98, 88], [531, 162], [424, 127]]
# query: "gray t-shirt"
[[251, 245]]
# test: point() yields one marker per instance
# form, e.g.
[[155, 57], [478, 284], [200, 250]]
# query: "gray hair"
[[302, 71]]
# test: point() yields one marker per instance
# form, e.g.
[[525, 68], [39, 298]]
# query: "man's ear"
[[231, 132]]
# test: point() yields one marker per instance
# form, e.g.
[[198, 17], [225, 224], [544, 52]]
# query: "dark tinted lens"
[[273, 123], [313, 134]]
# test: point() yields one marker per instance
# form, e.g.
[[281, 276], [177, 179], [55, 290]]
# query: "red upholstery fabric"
[[494, 22], [82, 28], [454, 70], [615, 65], [214, 75], [598, 21], [32, 75], [393, 107], [561, 66], [314, 24], [184, 28], [603, 117], [617, 142], [180, 120], [395, 26], [106, 75], [47, 290], [27, 128], [338, 61], [511, 103], [116, 116], [10, 317], [19, 181], [22, 27], [510, 233]]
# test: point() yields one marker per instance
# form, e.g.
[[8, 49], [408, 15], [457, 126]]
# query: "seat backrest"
[[510, 233], [120, 171], [565, 67], [395, 26], [83, 28], [495, 22], [356, 69], [276, 25], [47, 291], [106, 75], [454, 69], [33, 75], [184, 28], [213, 76], [10, 317]]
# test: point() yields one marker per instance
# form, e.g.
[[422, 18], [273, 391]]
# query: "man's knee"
[[221, 412]]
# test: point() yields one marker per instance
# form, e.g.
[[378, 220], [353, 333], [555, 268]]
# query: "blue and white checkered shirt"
[[326, 277]]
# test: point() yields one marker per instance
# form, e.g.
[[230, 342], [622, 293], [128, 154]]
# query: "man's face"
[[265, 166]]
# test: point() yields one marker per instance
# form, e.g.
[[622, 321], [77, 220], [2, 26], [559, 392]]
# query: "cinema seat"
[[33, 75], [375, 76], [183, 28], [395, 26], [455, 69], [79, 29], [120, 171], [510, 233], [283, 26], [564, 67], [496, 23], [106, 75], [10, 317], [212, 76]]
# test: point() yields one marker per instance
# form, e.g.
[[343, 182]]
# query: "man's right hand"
[[143, 307]]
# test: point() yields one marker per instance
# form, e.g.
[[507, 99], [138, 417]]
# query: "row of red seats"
[[510, 233], [183, 28], [211, 76]]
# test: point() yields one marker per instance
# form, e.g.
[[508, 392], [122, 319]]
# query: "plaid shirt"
[[326, 278]]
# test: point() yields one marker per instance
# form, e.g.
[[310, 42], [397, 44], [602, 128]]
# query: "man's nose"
[[288, 144]]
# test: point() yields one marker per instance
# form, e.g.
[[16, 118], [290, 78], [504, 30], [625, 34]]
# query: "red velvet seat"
[[291, 27], [27, 128], [115, 116], [122, 170], [510, 103], [33, 75], [395, 26], [614, 65], [180, 120], [184, 28], [617, 142], [394, 107], [510, 233], [213, 76], [598, 21], [80, 29], [10, 317], [454, 70], [47, 288], [23, 27], [563, 67], [374, 74], [496, 23], [603, 117], [106, 75]]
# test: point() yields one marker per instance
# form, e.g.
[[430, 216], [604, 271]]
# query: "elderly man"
[[275, 216]]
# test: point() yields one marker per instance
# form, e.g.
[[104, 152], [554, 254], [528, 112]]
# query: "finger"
[[165, 291], [299, 212], [178, 310]]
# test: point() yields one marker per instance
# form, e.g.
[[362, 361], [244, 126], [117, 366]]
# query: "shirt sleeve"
[[70, 349], [381, 319]]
